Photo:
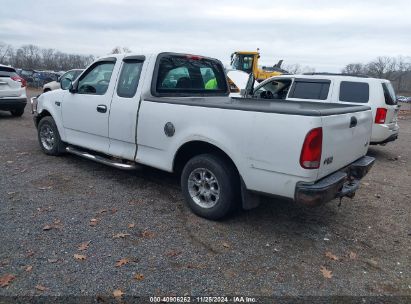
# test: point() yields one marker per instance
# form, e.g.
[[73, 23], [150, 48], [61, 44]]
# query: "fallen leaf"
[[118, 293], [47, 227], [29, 253], [122, 262], [120, 235], [366, 184], [226, 245], [147, 234], [131, 225], [93, 222], [6, 279], [139, 277], [331, 256], [113, 210], [28, 268], [84, 246], [371, 262], [377, 195], [41, 287], [80, 257], [173, 253], [102, 211], [326, 273], [22, 153], [353, 255], [45, 188]]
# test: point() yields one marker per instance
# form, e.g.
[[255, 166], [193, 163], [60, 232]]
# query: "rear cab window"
[[7, 72], [188, 75], [355, 92], [389, 94], [310, 89]]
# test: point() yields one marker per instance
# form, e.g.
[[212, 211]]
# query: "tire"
[[49, 137], [206, 198], [17, 112]]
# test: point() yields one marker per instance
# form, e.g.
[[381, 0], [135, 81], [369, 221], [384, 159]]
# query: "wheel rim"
[[47, 137], [204, 188]]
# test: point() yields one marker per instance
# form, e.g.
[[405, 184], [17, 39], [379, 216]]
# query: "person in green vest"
[[211, 84]]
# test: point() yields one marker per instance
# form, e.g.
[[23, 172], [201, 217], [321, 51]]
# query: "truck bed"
[[279, 106]]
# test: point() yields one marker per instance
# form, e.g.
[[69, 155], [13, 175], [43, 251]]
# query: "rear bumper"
[[392, 137], [8, 104], [339, 184], [384, 133]]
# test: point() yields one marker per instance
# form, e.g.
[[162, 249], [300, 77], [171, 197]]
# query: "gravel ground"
[[50, 205]]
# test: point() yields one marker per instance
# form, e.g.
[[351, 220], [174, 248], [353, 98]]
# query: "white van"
[[337, 88]]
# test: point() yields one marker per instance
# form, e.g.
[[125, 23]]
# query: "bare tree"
[[293, 68], [298, 69], [395, 69], [354, 68], [5, 50], [120, 50]]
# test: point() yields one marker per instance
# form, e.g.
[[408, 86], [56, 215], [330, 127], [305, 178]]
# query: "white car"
[[341, 89], [12, 91], [172, 112], [54, 85]]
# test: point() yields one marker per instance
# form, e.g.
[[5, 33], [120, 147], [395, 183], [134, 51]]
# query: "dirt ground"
[[74, 227]]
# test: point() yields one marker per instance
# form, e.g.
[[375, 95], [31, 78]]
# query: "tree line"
[[33, 57], [396, 69]]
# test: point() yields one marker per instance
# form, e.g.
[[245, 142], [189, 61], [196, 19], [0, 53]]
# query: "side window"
[[351, 91], [68, 75], [96, 80], [277, 89], [389, 94], [189, 75], [310, 89], [129, 78]]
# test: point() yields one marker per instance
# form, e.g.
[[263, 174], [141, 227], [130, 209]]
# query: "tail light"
[[19, 79], [380, 115], [311, 152]]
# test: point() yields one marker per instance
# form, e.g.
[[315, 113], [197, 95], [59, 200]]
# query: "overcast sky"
[[323, 34]]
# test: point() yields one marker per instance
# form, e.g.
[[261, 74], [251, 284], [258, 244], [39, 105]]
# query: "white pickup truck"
[[172, 112]]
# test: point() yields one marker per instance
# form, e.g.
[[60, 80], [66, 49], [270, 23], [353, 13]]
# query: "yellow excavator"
[[248, 62]]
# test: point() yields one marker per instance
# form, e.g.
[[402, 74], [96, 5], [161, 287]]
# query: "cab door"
[[124, 107], [86, 107]]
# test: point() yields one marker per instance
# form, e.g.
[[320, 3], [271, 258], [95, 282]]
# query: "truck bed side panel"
[[265, 147]]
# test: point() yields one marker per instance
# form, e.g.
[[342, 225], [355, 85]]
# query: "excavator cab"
[[244, 61], [248, 62]]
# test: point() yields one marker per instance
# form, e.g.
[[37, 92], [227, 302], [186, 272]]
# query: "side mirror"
[[65, 83], [58, 79]]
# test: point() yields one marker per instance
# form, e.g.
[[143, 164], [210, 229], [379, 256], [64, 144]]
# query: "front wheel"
[[49, 137], [210, 186]]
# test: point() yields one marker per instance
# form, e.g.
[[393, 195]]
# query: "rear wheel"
[[210, 186], [17, 112], [49, 137]]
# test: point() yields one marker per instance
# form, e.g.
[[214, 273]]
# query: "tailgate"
[[345, 139], [9, 87]]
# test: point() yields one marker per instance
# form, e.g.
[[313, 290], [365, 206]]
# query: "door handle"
[[353, 122], [102, 108]]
